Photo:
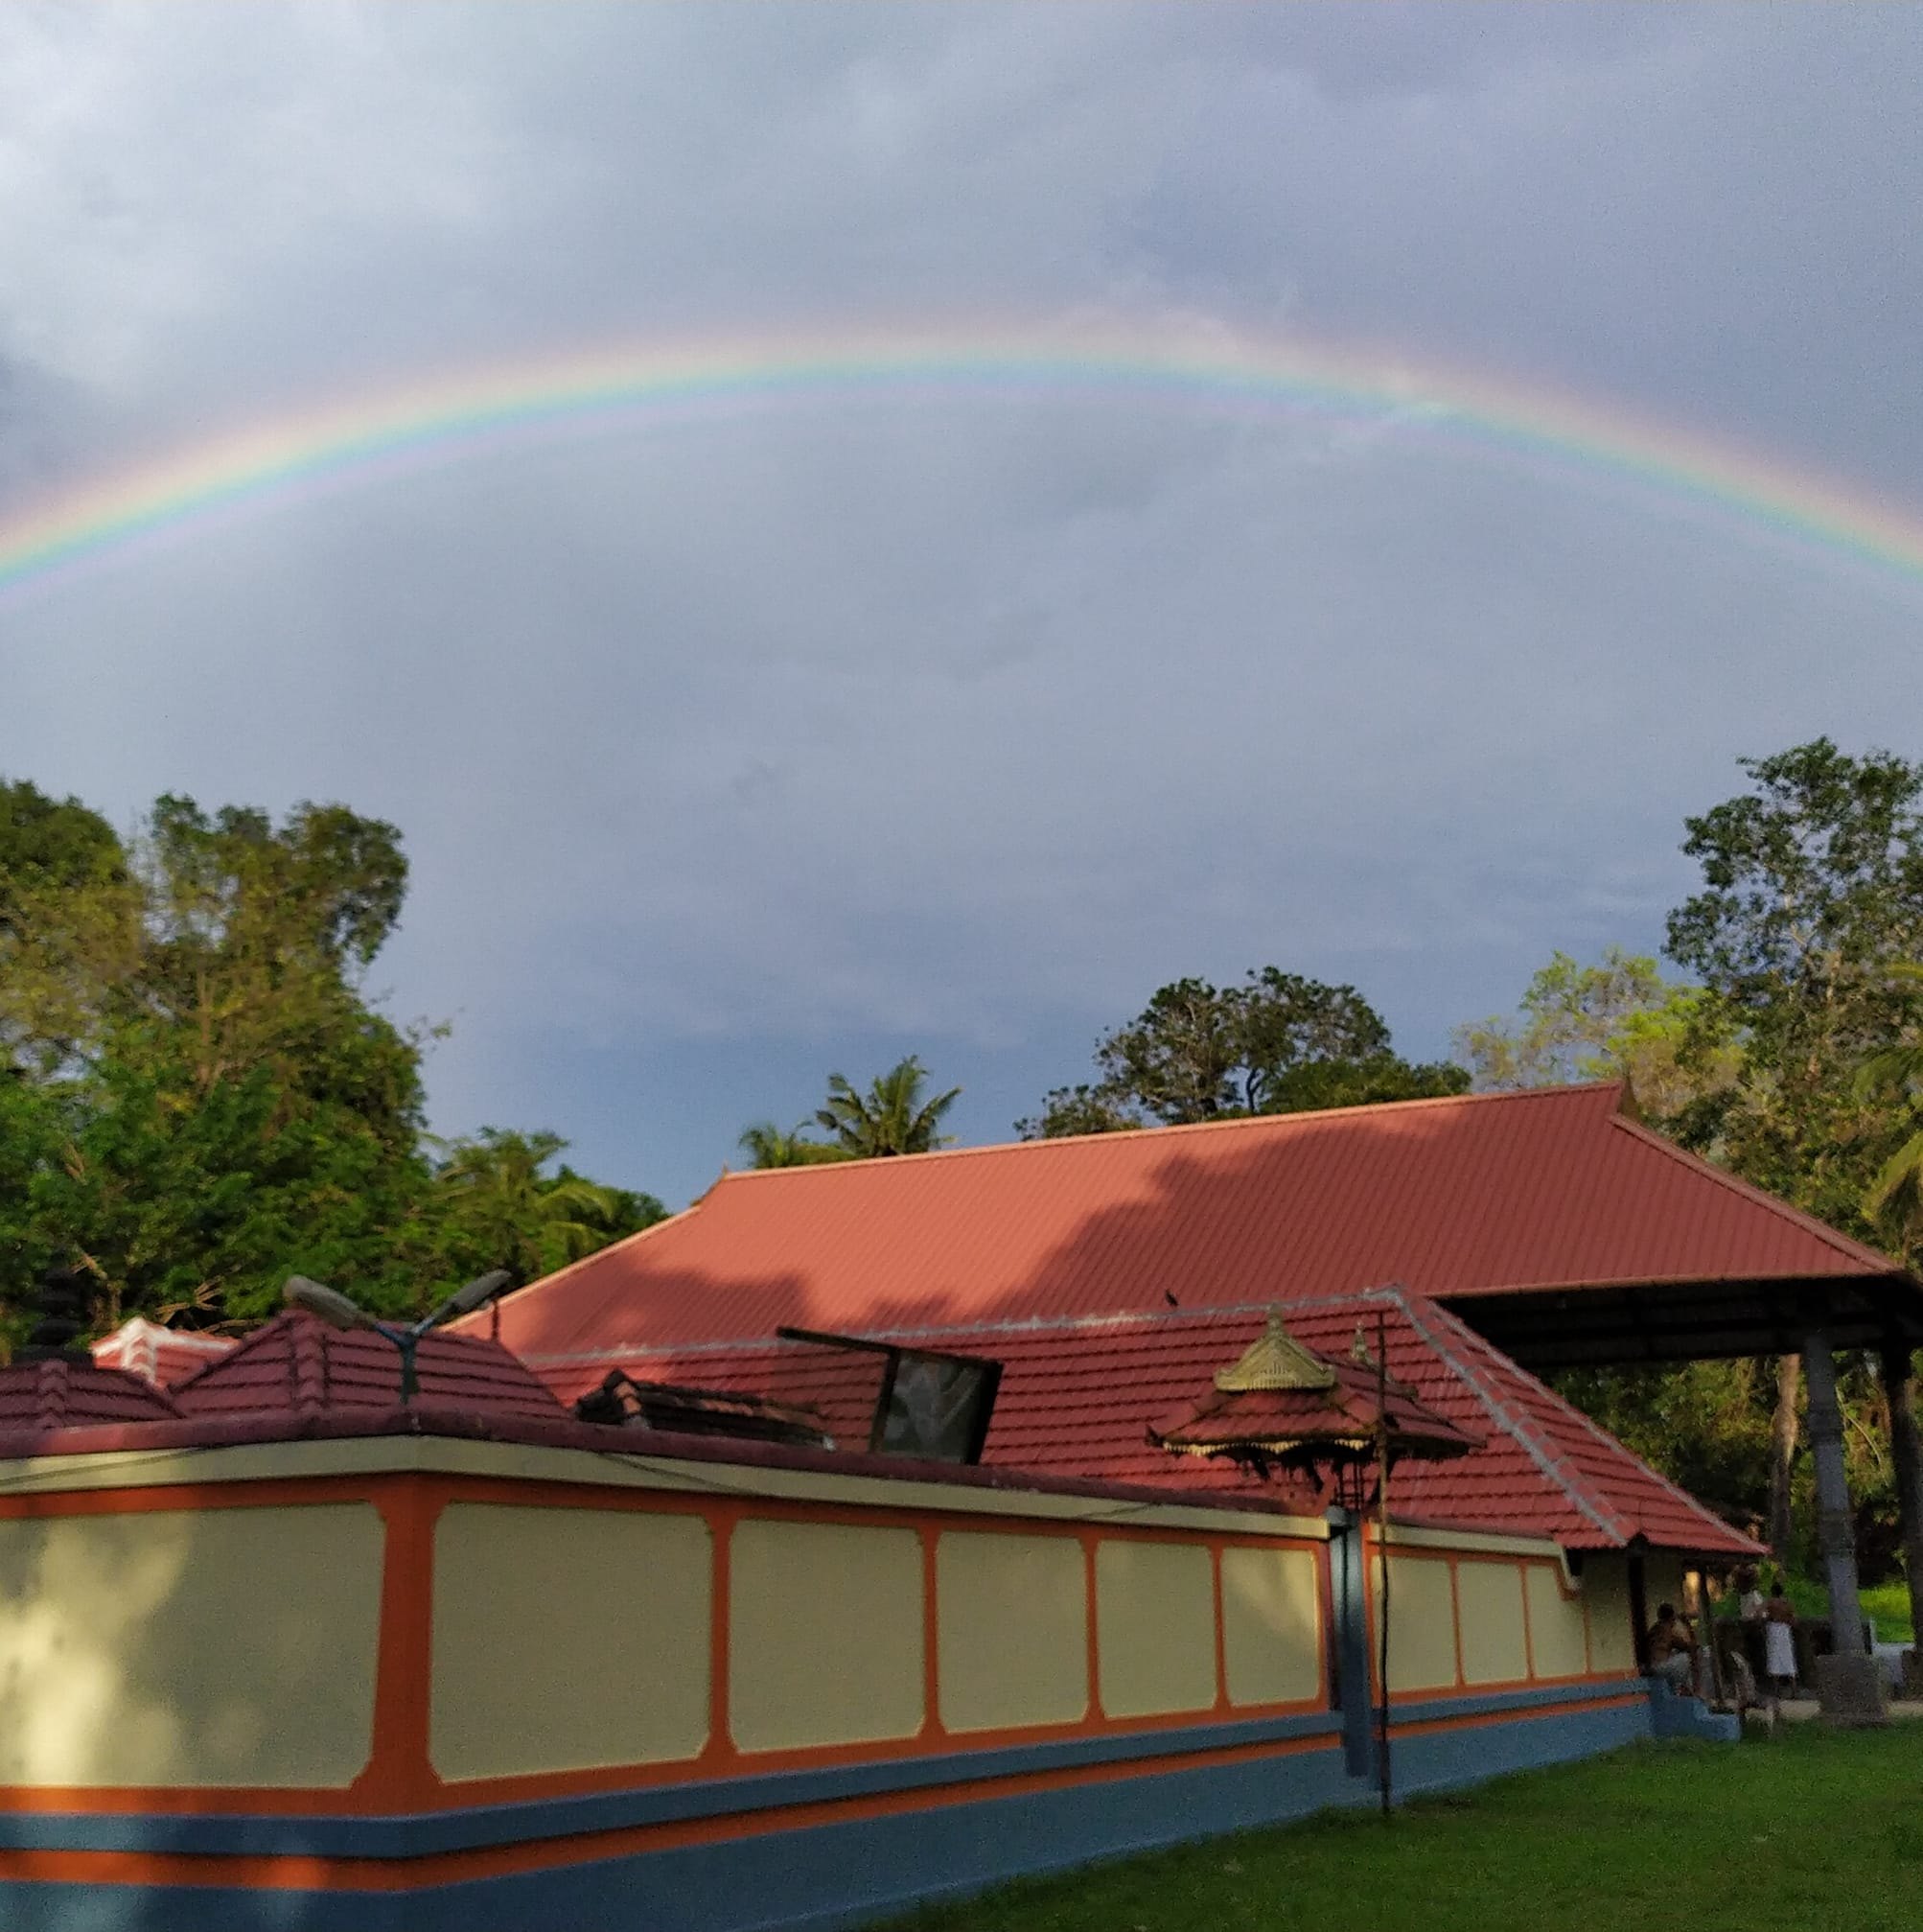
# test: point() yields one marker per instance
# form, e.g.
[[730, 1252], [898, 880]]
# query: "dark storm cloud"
[[767, 743]]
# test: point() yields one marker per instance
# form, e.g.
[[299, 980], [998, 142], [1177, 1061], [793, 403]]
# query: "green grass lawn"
[[1812, 1832]]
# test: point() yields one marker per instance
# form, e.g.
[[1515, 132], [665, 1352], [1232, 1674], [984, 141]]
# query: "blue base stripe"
[[846, 1874]]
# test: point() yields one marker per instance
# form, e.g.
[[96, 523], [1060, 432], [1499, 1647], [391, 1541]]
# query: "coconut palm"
[[1894, 1201], [893, 1117], [499, 1206], [772, 1146]]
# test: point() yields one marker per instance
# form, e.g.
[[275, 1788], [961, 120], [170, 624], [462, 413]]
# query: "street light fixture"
[[337, 1310]]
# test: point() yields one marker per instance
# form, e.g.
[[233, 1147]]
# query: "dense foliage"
[[196, 1095], [896, 1115], [1792, 1057], [1277, 1045]]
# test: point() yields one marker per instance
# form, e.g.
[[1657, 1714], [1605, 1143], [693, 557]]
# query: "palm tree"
[[500, 1207], [891, 1117], [1894, 1201], [770, 1146]]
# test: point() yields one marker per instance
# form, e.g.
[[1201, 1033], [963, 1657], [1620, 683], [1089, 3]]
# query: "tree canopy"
[[896, 1115], [1279, 1043], [1794, 1055], [1617, 1019], [768, 1145], [197, 1097]]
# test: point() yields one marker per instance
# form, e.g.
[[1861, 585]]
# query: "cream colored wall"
[[825, 1635], [1014, 1644], [1606, 1598], [1156, 1621], [1271, 1625], [1494, 1646], [1422, 1621], [189, 1647], [568, 1637], [1556, 1625]]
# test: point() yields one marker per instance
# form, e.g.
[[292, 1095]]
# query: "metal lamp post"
[[337, 1310]]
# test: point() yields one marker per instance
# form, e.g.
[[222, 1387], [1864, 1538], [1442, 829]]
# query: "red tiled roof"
[[1078, 1395], [1475, 1195], [159, 1355], [300, 1365], [62, 1394]]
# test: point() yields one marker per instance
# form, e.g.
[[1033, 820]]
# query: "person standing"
[[1779, 1642], [1752, 1611]]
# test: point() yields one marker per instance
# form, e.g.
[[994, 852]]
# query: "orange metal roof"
[[1475, 1195], [1077, 1396]]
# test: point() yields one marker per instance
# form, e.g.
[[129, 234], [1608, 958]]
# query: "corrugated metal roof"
[[300, 1365], [1480, 1193], [1077, 1396]]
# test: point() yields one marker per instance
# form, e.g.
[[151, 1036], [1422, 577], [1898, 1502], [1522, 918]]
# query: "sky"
[[736, 746]]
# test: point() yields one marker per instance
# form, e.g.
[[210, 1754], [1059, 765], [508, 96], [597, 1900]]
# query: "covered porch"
[[1867, 1305]]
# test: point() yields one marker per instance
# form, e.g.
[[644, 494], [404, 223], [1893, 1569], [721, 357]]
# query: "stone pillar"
[[1348, 1584], [1906, 1452], [1849, 1682]]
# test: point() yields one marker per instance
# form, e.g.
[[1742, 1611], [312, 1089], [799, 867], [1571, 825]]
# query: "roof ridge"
[[1301, 1117], [1698, 1163], [1514, 1424], [1027, 1324]]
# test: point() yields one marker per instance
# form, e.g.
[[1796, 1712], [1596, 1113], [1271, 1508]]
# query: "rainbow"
[[364, 439]]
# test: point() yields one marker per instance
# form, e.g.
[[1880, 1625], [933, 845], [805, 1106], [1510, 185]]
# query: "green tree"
[[196, 1094], [1894, 1201], [495, 1205], [69, 928], [1813, 892], [1280, 1043], [769, 1146], [896, 1115], [1617, 1019]]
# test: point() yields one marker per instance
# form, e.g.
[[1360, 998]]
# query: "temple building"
[[872, 1532]]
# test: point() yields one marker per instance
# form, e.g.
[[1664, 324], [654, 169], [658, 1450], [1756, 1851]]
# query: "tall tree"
[[196, 1094], [1893, 1200], [1619, 1019], [69, 927], [1279, 1043], [1813, 890], [896, 1115], [496, 1204]]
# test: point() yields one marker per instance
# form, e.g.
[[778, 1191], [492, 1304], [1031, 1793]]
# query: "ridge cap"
[[1303, 1116]]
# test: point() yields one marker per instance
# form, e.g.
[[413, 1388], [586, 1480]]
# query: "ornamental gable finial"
[[1275, 1360]]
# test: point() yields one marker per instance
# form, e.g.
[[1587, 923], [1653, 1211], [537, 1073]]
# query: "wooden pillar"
[[1836, 1521], [1639, 1610], [1905, 1451]]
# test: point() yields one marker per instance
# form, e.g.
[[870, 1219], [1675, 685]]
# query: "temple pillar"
[[1349, 1584], [1906, 1452], [1849, 1682]]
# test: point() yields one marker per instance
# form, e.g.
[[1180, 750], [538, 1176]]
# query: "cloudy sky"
[[743, 746]]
